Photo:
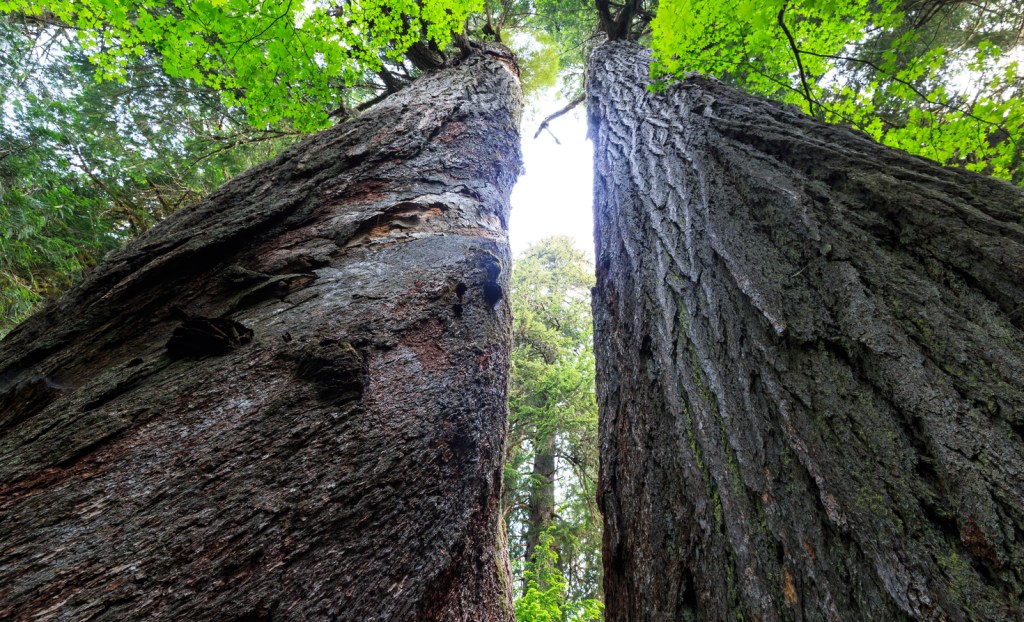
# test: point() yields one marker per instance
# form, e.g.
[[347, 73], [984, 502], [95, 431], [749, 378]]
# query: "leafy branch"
[[917, 91]]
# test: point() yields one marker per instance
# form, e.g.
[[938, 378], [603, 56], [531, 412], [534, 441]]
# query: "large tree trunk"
[[810, 354], [342, 461]]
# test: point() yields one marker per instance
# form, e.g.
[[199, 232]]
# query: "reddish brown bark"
[[289, 401]]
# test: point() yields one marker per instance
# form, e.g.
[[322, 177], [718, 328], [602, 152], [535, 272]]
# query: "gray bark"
[[810, 355], [289, 401]]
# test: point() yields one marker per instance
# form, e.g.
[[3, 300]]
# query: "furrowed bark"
[[810, 356], [342, 461]]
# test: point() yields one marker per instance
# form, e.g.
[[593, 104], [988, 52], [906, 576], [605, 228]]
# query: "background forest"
[[116, 113]]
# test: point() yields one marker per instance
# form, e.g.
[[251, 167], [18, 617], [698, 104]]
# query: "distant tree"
[[86, 165], [550, 474]]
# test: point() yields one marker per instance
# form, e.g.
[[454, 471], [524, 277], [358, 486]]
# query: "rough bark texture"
[[810, 355], [342, 461]]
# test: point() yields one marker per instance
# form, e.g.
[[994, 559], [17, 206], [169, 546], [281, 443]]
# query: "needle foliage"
[[556, 553]]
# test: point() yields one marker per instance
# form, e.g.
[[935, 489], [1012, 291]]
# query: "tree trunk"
[[810, 354], [288, 402], [541, 511]]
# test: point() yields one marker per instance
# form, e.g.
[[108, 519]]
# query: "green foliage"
[[52, 227], [278, 59], [85, 165], [570, 25], [936, 79], [538, 62], [551, 39], [552, 397], [543, 599]]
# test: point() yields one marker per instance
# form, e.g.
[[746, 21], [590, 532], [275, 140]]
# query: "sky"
[[554, 196]]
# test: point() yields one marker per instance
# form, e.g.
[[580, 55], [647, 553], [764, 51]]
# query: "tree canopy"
[[87, 164], [279, 59], [936, 78]]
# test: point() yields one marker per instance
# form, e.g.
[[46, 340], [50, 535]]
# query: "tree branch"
[[604, 16], [796, 55], [624, 20], [544, 124]]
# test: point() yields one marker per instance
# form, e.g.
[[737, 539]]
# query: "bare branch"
[[544, 124], [796, 55]]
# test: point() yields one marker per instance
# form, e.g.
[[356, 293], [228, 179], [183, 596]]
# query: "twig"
[[544, 124], [159, 196], [370, 103], [796, 55]]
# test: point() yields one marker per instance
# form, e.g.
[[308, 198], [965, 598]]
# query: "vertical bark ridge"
[[810, 365], [340, 461]]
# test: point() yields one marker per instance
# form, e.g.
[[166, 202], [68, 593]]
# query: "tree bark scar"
[[336, 368], [203, 336], [789, 587], [492, 290], [492, 293]]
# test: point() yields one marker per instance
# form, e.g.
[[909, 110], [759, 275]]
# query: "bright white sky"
[[554, 196]]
